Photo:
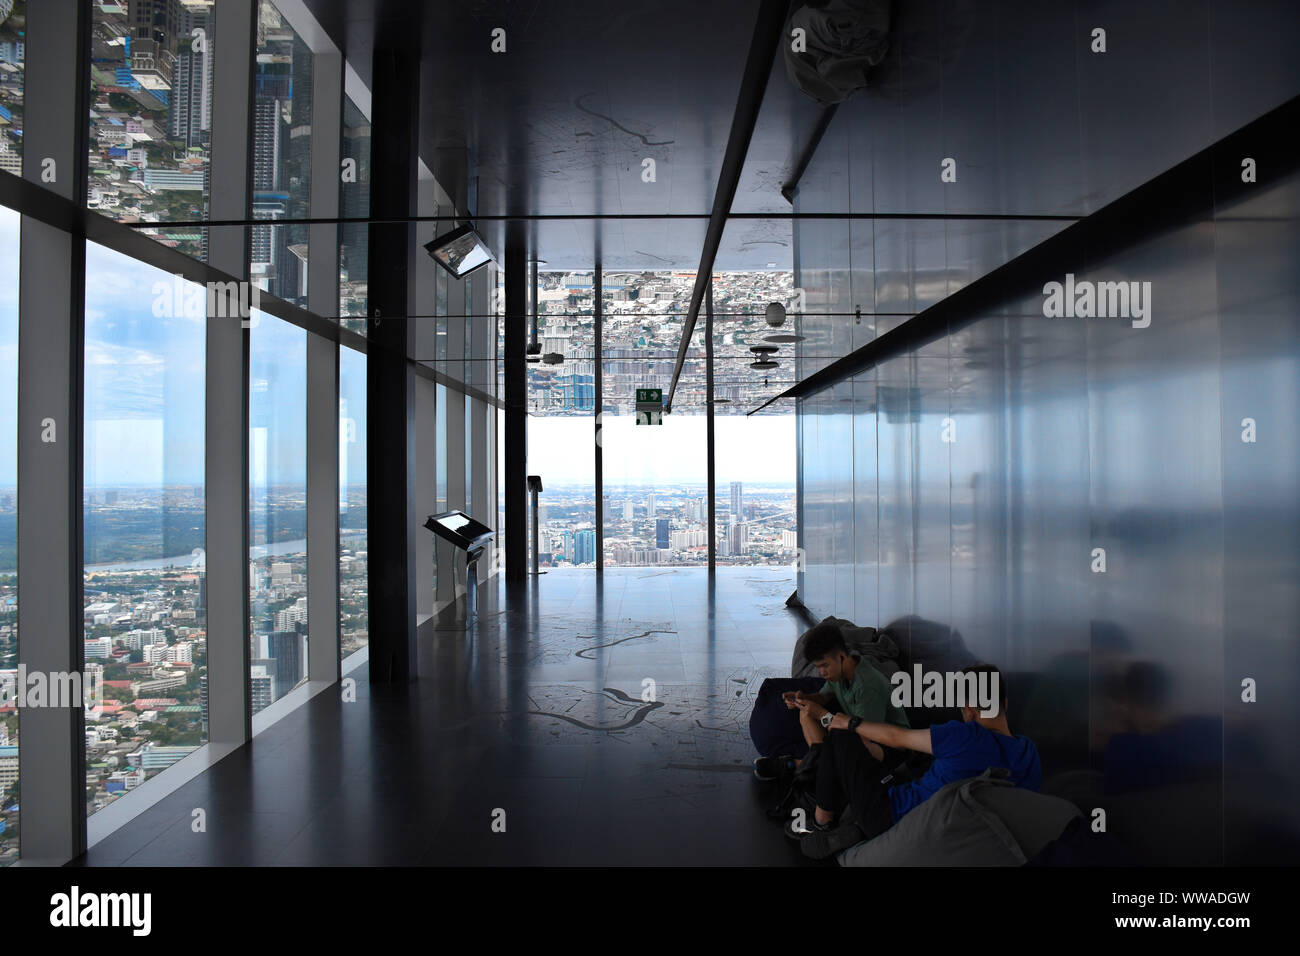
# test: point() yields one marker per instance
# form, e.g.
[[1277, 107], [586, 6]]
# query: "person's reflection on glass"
[[1153, 747]]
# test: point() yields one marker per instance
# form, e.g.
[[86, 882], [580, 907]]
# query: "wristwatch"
[[853, 724], [826, 719]]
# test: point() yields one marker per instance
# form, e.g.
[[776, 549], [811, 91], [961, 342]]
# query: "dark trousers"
[[847, 775]]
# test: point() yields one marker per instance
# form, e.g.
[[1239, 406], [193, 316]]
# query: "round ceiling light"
[[775, 314], [761, 350], [783, 338], [764, 363], [553, 358]]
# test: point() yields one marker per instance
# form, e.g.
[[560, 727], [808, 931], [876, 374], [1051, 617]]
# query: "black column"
[[712, 491], [597, 284], [516, 399], [390, 391]]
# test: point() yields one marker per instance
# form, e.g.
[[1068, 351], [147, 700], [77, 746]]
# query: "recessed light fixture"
[[460, 251]]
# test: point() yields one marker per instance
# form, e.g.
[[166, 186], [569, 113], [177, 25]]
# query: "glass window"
[[9, 228], [440, 429], [561, 406], [281, 156], [277, 483], [13, 43], [656, 476], [144, 522], [354, 630], [754, 455], [354, 203], [440, 464], [151, 116], [469, 457]]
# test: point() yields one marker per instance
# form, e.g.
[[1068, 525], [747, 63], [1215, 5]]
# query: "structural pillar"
[[51, 309], [390, 386], [516, 402]]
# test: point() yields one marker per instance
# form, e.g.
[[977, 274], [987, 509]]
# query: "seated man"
[[961, 749], [851, 685]]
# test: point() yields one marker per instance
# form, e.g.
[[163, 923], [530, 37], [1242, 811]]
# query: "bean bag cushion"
[[980, 821]]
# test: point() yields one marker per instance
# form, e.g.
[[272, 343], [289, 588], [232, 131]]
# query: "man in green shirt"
[[853, 685]]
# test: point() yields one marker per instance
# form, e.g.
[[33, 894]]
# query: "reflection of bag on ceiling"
[[842, 40]]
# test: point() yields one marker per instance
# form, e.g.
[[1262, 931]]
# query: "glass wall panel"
[[354, 628], [9, 229], [354, 202], [277, 484], [151, 116], [144, 520], [13, 42], [282, 111], [754, 456], [656, 476], [440, 465], [561, 403]]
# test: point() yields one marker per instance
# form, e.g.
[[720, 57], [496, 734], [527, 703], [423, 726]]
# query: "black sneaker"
[[770, 768], [822, 843], [796, 832]]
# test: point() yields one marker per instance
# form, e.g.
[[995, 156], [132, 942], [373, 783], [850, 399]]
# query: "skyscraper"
[[285, 649], [629, 510], [737, 500], [661, 533], [584, 546], [650, 505]]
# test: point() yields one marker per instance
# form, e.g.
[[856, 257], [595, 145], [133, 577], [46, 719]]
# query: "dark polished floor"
[[537, 719]]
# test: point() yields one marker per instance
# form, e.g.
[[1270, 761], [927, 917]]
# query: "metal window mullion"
[[323, 651], [227, 383], [51, 344]]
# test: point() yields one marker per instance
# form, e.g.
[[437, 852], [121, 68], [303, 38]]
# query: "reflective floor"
[[597, 724]]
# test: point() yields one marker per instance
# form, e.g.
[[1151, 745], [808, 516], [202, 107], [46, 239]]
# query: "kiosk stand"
[[470, 536], [534, 488]]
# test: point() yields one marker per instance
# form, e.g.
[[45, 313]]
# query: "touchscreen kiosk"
[[470, 536]]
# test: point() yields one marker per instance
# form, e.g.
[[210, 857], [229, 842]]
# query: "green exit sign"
[[649, 406]]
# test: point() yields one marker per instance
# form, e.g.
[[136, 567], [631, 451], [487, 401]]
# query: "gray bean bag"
[[981, 821], [873, 647]]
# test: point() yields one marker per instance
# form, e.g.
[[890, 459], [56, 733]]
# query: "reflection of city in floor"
[[667, 525], [676, 690]]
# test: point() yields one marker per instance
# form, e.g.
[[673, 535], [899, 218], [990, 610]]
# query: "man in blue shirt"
[[961, 749]]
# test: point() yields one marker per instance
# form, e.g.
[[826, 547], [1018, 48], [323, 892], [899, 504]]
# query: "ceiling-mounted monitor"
[[460, 251]]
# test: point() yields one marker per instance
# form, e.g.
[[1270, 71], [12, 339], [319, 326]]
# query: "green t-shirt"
[[867, 696]]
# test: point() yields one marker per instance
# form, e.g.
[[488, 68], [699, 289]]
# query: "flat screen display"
[[457, 527], [460, 251]]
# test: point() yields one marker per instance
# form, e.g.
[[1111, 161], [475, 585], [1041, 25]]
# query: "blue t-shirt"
[[964, 750]]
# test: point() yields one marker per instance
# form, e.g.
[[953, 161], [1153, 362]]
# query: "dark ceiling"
[[561, 122], [585, 92]]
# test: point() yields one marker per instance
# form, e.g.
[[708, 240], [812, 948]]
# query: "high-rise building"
[[737, 500], [285, 648], [259, 688], [737, 539], [629, 510], [661, 533], [584, 546], [650, 506]]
